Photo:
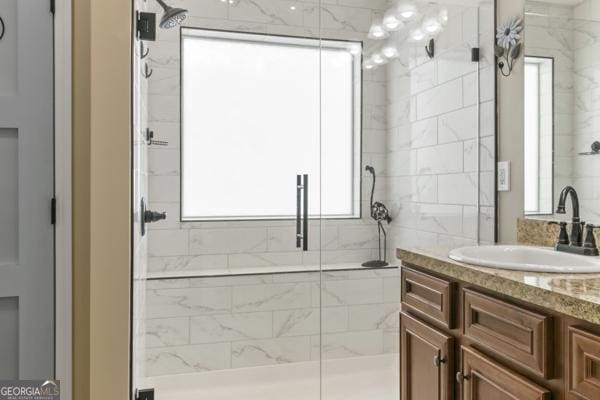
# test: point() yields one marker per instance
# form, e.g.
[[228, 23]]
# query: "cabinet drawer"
[[509, 331], [429, 296], [483, 379], [583, 365]]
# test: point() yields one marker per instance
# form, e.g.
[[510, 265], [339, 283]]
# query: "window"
[[539, 123], [259, 109]]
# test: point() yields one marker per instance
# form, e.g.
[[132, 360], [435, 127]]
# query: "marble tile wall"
[[421, 122], [214, 323], [450, 105], [191, 246]]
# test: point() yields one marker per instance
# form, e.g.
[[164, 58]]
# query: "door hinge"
[[475, 57], [53, 211], [146, 26], [144, 394], [52, 6]]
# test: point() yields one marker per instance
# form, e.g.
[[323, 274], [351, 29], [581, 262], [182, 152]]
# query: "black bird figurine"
[[379, 213]]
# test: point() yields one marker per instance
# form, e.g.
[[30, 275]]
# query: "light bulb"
[[293, 8], [443, 16], [417, 35], [368, 64], [355, 50], [378, 59], [407, 11], [431, 25], [389, 50], [377, 31], [391, 22]]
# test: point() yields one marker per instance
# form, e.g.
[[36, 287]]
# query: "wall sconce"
[[508, 44]]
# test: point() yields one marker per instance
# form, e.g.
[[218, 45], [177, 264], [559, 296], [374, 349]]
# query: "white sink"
[[526, 258]]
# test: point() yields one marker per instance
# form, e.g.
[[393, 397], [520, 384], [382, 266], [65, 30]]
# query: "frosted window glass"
[[251, 121]]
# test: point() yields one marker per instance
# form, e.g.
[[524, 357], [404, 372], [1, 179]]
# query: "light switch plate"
[[504, 176]]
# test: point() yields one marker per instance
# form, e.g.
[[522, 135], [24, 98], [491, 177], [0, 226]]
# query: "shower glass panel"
[[226, 296], [294, 146], [419, 122]]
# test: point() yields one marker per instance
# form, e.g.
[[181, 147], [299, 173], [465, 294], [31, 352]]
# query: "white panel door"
[[26, 190]]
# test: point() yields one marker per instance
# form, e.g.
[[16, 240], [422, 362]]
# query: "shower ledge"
[[276, 269]]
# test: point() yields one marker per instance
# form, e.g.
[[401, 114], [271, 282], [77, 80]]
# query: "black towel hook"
[[1, 28], [143, 53]]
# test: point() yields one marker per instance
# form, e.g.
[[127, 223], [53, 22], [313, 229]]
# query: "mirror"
[[561, 106]]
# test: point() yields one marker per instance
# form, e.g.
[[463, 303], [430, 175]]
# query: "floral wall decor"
[[508, 44]]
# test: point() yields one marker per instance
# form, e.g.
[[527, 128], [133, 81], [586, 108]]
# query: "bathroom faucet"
[[575, 244], [576, 228]]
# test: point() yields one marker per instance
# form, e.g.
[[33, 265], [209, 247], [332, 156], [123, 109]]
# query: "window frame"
[[540, 60], [357, 112]]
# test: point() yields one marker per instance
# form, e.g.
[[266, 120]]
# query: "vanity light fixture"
[[431, 25], [378, 59], [377, 31], [368, 64], [355, 50], [417, 35], [391, 21], [407, 11], [390, 50]]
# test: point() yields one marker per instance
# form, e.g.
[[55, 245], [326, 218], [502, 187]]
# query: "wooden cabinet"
[[483, 345], [485, 379], [583, 365], [427, 361]]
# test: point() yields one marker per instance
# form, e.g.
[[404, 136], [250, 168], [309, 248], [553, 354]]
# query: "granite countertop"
[[576, 295]]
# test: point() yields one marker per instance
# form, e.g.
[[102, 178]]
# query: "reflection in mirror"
[[539, 122], [562, 111]]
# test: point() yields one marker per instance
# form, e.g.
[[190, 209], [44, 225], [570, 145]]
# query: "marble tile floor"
[[360, 378]]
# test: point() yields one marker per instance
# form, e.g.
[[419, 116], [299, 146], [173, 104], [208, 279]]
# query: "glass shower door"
[[226, 287], [418, 155]]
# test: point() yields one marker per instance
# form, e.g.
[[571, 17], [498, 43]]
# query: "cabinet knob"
[[460, 377], [437, 360]]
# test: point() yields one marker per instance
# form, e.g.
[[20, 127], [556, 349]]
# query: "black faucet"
[[575, 245], [576, 228]]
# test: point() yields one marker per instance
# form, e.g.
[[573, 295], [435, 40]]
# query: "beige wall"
[[510, 134], [101, 208]]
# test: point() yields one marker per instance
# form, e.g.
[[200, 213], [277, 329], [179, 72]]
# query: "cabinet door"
[[426, 361], [485, 379]]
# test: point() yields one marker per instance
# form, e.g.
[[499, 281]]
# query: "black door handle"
[[302, 221]]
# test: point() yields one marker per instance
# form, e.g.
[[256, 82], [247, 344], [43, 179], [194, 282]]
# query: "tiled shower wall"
[[176, 246], [436, 115], [420, 125], [214, 323]]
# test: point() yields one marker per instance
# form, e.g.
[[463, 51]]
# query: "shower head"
[[172, 16]]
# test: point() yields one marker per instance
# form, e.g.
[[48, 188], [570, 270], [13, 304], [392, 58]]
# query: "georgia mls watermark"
[[29, 390]]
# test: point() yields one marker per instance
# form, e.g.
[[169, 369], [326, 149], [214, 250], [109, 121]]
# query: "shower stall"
[[254, 122]]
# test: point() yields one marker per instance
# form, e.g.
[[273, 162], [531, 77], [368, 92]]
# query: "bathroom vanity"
[[477, 333]]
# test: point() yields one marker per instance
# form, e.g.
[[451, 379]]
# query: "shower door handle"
[[302, 220]]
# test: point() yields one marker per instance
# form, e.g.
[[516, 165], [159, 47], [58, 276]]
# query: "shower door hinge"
[[52, 6], [475, 57], [146, 26], [53, 211], [144, 394]]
